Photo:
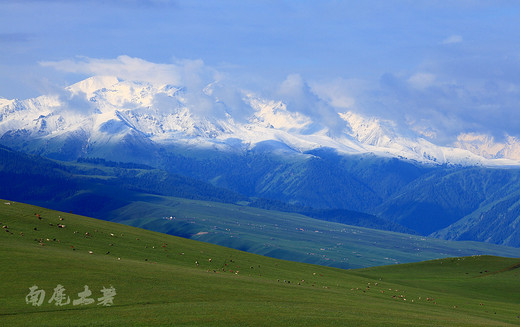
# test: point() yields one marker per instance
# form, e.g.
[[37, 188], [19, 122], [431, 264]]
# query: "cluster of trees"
[[32, 178], [108, 163]]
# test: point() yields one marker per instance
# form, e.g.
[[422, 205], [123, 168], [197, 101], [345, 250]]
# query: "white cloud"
[[204, 90], [185, 72], [421, 80], [452, 39], [301, 98], [443, 104], [338, 92]]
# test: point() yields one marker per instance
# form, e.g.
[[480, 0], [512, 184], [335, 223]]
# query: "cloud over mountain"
[[431, 103], [407, 116], [129, 68]]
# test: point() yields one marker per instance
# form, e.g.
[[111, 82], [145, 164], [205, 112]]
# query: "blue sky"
[[446, 67]]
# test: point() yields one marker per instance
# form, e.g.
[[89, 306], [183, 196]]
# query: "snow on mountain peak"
[[104, 109], [274, 114], [487, 147], [370, 131], [92, 84]]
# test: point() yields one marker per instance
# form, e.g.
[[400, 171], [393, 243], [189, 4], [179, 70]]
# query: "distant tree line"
[[108, 163]]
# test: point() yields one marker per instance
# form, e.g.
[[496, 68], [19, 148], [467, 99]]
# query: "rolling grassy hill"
[[165, 280]]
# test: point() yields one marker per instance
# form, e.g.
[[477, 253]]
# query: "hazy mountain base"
[[404, 196], [424, 199], [96, 186], [493, 220], [163, 280]]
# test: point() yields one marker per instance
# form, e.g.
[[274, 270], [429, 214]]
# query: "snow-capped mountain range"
[[103, 110]]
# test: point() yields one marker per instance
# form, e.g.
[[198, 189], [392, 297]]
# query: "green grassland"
[[164, 280], [291, 236]]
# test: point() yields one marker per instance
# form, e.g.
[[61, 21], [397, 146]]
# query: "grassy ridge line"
[[159, 283]]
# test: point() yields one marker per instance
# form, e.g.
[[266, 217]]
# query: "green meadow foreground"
[[151, 279]]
